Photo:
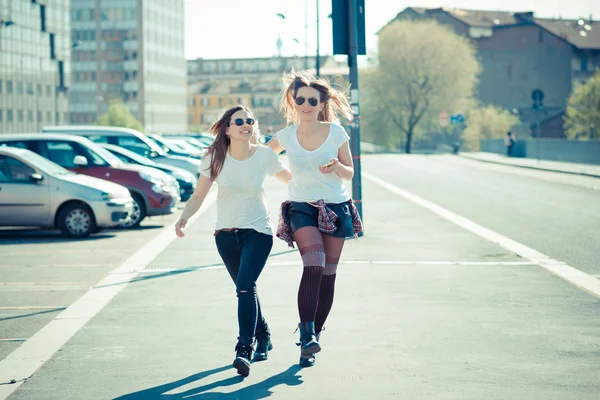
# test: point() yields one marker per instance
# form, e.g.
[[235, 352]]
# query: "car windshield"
[[110, 158], [134, 156], [46, 165]]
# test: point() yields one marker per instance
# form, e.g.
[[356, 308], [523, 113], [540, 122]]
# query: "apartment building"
[[35, 64], [130, 51]]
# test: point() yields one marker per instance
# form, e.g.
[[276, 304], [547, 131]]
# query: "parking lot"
[[42, 272]]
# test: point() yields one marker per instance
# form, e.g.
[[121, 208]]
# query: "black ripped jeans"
[[245, 252]]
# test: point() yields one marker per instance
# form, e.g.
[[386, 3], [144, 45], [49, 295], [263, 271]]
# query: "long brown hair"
[[335, 102], [218, 148]]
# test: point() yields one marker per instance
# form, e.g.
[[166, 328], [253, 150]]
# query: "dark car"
[[153, 191], [186, 180]]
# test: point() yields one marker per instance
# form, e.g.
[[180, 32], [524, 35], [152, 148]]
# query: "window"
[[98, 139], [62, 153], [133, 144], [20, 115], [9, 115], [13, 170], [584, 63], [8, 86]]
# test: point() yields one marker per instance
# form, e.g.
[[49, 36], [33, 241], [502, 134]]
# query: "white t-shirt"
[[308, 184], [242, 199]]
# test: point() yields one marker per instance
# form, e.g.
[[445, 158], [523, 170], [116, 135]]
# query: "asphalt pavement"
[[459, 289]]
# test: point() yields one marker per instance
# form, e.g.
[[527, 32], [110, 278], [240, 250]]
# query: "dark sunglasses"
[[240, 121], [313, 101]]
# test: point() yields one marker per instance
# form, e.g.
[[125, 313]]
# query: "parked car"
[[186, 180], [197, 139], [129, 139], [153, 191], [182, 148], [37, 192]]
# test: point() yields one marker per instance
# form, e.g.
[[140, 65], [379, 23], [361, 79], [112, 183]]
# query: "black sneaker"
[[242, 359], [263, 346]]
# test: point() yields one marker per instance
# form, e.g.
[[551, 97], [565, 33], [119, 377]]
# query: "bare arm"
[[193, 204], [275, 145], [284, 175], [341, 166]]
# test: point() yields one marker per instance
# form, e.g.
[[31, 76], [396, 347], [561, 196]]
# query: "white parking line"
[[559, 268], [342, 262], [19, 365]]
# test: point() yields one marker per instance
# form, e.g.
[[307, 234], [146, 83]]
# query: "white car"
[[34, 191], [129, 139]]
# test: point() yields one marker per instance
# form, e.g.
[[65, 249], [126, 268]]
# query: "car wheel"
[[76, 220], [138, 213]]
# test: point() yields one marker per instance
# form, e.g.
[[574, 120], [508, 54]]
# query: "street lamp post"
[[318, 61], [354, 103]]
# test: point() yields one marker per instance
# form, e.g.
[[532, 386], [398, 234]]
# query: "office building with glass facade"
[[130, 51], [35, 63]]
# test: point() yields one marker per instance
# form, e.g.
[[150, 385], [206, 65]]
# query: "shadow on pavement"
[[32, 236], [260, 390], [34, 314]]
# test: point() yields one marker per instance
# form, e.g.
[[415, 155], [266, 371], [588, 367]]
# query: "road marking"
[[19, 365], [370, 262], [558, 268]]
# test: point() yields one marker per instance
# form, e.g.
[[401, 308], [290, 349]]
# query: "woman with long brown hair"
[[319, 213], [243, 232]]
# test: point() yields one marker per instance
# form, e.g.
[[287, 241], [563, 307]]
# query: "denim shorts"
[[300, 214]]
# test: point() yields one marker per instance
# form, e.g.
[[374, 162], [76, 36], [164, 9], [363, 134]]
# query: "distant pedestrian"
[[319, 214], [509, 142], [243, 232]]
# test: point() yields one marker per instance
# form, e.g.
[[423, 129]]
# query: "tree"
[[119, 115], [487, 122], [583, 108], [423, 68]]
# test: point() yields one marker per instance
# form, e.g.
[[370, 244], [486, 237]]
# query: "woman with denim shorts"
[[243, 234], [319, 213]]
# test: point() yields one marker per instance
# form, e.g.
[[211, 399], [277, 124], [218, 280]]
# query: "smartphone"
[[329, 164]]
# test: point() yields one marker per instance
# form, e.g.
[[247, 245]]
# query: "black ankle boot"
[[242, 359], [309, 361], [263, 346], [308, 343]]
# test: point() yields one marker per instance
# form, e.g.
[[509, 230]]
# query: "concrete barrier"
[[587, 152]]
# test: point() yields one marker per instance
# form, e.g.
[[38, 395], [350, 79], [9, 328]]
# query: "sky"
[[245, 29]]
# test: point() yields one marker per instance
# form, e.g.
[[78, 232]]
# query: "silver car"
[[34, 191]]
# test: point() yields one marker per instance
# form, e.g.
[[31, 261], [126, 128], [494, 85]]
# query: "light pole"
[[318, 61], [354, 103]]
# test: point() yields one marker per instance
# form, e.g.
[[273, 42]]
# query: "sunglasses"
[[313, 101], [240, 121]]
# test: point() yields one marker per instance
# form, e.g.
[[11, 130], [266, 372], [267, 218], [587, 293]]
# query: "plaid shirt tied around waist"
[[326, 221]]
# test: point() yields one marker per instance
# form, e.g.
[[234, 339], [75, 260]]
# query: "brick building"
[[520, 54]]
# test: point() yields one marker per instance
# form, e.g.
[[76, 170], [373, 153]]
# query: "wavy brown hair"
[[218, 148], [335, 102]]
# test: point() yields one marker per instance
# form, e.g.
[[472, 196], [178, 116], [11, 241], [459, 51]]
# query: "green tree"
[[422, 69], [583, 108], [119, 115], [487, 122]]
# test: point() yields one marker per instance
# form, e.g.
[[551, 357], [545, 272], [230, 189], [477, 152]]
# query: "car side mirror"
[[36, 178], [80, 161]]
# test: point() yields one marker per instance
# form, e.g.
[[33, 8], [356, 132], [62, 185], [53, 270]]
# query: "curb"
[[592, 175]]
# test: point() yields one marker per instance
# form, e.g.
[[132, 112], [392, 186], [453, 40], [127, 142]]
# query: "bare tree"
[[423, 68]]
